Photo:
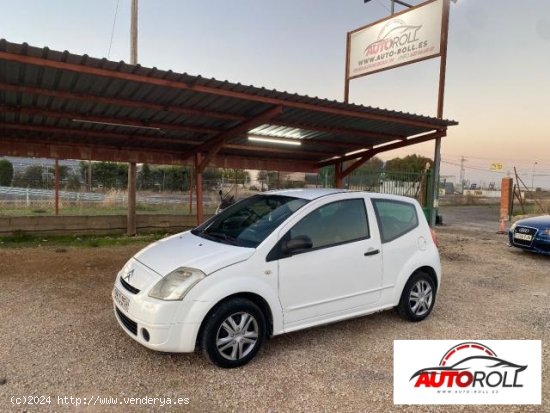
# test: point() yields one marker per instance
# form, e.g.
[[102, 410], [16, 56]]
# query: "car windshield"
[[250, 221]]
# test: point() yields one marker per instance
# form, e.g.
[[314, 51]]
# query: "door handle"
[[371, 252]]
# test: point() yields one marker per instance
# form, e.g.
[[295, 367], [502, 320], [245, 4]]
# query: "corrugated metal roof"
[[43, 92]]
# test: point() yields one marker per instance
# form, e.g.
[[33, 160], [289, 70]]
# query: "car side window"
[[335, 223], [395, 218]]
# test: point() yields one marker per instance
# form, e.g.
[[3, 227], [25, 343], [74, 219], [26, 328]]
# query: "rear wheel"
[[233, 333], [418, 297]]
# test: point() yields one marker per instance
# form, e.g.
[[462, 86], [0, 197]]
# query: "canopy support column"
[[56, 186], [338, 175], [434, 207]]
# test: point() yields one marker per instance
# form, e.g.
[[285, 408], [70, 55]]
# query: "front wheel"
[[418, 297], [233, 333]]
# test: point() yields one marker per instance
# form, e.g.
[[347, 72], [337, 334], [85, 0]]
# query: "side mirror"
[[300, 243]]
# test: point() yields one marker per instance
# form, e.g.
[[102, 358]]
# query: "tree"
[[31, 177], [326, 176], [106, 174], [211, 178], [410, 163], [6, 172], [268, 179], [146, 177], [368, 175], [235, 175], [49, 175], [174, 178], [73, 183], [110, 174]]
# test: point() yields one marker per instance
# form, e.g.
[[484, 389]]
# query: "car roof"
[[307, 193], [315, 193]]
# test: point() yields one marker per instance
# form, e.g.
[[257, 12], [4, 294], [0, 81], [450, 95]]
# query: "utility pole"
[[131, 218], [440, 100], [134, 33], [462, 172]]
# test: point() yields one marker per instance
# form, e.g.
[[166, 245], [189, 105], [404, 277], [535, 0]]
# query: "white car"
[[278, 262]]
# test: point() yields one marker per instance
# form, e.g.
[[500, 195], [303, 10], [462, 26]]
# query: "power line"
[[497, 158], [473, 167], [113, 29], [484, 169]]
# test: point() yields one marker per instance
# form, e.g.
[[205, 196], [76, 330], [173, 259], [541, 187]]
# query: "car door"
[[342, 271]]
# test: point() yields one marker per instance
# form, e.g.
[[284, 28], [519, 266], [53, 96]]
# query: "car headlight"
[[177, 284], [513, 226]]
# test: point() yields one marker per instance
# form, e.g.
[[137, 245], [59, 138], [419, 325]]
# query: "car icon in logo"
[[471, 365], [128, 275]]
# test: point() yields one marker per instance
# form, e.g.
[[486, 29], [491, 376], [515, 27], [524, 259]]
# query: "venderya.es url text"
[[94, 400]]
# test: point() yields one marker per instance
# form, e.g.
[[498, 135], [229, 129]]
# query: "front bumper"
[[540, 244], [173, 338], [170, 326]]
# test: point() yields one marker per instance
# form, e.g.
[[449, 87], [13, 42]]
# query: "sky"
[[498, 65]]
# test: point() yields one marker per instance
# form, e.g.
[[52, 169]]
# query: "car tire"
[[418, 297], [233, 333]]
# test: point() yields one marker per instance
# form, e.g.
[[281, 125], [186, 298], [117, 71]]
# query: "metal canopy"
[[61, 105]]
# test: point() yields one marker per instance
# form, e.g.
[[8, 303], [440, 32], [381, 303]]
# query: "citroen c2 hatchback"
[[274, 263]]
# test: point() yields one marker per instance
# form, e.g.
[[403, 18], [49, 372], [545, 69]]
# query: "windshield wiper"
[[221, 236]]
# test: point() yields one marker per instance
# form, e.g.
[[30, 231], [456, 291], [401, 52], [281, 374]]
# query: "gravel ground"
[[58, 337], [472, 217]]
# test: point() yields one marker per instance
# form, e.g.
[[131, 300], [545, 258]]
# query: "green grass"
[[23, 240]]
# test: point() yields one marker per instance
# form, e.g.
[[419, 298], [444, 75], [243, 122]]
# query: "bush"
[[6, 172]]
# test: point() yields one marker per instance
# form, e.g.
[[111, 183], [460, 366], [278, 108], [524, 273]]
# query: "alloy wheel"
[[237, 336], [420, 298]]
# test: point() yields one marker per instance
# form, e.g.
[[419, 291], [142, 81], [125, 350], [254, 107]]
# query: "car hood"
[[536, 222], [188, 250]]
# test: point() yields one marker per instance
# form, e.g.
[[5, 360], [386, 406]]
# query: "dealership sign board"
[[467, 372], [404, 38]]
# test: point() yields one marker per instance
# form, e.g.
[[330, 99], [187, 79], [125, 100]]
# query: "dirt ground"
[[58, 337]]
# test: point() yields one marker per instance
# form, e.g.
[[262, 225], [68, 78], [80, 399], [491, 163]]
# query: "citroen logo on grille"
[[128, 275]]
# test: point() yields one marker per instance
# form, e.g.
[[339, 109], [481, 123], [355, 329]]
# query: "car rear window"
[[395, 218]]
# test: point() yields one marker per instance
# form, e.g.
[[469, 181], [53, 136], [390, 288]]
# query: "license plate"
[[122, 301], [524, 237]]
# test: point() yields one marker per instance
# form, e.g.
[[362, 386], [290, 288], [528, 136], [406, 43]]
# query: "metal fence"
[[396, 183], [80, 197], [32, 201]]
